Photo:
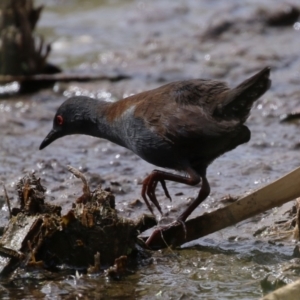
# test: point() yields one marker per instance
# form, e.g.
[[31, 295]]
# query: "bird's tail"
[[238, 102]]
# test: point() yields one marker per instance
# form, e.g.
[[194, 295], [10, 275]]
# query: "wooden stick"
[[275, 194], [289, 292]]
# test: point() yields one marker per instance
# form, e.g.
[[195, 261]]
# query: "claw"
[[163, 184], [149, 186], [144, 191]]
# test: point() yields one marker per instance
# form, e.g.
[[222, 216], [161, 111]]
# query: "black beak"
[[51, 137]]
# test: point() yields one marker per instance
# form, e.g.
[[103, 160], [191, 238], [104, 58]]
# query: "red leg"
[[150, 183], [203, 194]]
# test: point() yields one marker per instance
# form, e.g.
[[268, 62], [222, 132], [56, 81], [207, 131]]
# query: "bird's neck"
[[100, 126]]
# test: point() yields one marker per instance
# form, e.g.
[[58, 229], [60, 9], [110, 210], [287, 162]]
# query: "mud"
[[155, 43]]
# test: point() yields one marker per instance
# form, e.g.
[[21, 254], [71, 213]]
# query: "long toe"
[[153, 199], [144, 196], [163, 184]]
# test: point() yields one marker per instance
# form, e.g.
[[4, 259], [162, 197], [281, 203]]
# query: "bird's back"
[[175, 122], [193, 120]]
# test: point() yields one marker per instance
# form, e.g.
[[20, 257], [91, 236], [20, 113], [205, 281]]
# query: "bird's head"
[[75, 116]]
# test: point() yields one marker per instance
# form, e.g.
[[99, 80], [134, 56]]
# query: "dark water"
[[156, 42]]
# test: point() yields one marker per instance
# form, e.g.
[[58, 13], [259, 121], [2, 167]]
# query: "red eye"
[[59, 120]]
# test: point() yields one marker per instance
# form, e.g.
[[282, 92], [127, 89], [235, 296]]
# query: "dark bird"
[[183, 125]]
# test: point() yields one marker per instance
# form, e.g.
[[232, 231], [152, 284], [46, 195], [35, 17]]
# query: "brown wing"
[[183, 110], [185, 120], [201, 92]]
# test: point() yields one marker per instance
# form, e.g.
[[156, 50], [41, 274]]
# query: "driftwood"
[[285, 189], [288, 292]]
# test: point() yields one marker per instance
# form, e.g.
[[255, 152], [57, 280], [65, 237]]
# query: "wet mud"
[[154, 43]]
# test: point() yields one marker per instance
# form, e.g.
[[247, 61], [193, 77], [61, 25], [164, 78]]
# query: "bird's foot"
[[148, 192], [149, 187], [163, 184]]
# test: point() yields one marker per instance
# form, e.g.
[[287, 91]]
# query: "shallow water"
[[156, 42]]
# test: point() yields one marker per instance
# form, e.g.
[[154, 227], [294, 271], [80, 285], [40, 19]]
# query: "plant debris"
[[38, 236]]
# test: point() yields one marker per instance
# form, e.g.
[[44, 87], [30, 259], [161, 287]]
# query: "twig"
[[86, 190], [63, 77], [7, 201]]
